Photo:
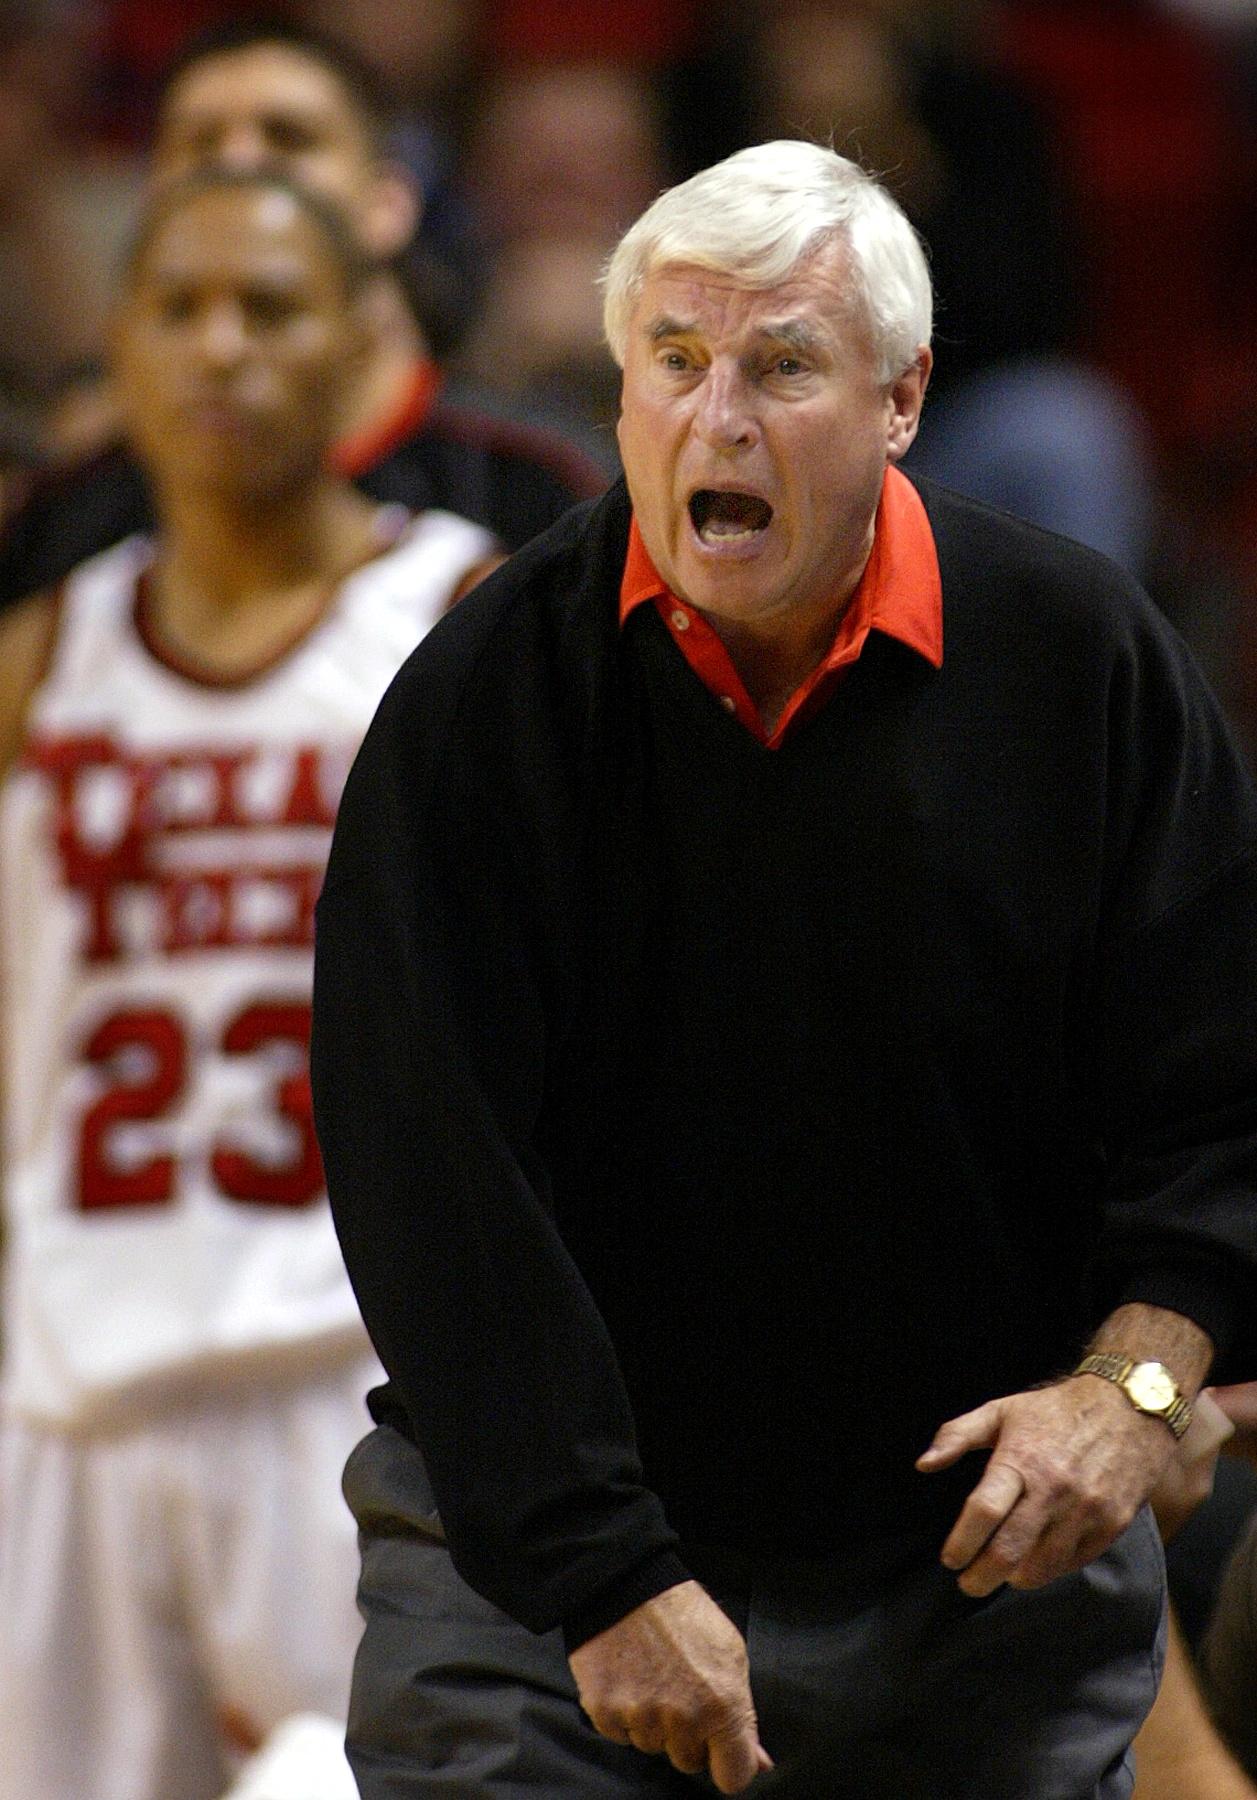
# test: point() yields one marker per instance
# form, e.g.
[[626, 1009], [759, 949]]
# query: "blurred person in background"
[[22, 459], [422, 55], [1019, 416], [1228, 1650], [1014, 419], [303, 1759], [184, 1366], [260, 92], [1179, 1752], [65, 202], [561, 157]]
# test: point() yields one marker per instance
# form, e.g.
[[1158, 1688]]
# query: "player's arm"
[[479, 570], [27, 631], [1178, 1753]]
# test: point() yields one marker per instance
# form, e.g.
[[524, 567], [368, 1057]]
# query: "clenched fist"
[[671, 1679]]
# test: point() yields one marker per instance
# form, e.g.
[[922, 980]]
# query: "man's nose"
[[724, 418], [241, 148], [222, 337]]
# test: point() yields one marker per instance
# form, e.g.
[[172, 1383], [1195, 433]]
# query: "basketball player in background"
[[183, 1362], [262, 93]]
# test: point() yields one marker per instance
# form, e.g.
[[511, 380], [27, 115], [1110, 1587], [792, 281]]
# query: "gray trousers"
[[885, 1683]]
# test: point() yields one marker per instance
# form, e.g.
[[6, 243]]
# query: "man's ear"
[[393, 211], [906, 394]]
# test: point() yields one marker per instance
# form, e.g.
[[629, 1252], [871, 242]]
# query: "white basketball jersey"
[[162, 844]]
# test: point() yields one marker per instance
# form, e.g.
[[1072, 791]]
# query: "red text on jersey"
[[184, 849]]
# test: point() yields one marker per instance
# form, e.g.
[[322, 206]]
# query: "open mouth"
[[718, 516]]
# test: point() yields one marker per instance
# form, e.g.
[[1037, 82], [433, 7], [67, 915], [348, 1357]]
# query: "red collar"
[[354, 455], [900, 594]]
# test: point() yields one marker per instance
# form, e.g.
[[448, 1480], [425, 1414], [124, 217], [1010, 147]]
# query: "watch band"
[[1113, 1366], [1108, 1363]]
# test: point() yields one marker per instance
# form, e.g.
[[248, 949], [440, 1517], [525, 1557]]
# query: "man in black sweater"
[[786, 1061]]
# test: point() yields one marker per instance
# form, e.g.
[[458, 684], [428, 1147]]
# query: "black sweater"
[[705, 1124]]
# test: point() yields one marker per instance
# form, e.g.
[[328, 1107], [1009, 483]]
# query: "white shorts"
[[157, 1579]]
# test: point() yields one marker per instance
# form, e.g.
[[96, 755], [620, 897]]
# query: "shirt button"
[[680, 620], [728, 702]]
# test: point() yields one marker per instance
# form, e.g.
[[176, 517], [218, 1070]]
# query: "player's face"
[[755, 434], [269, 105], [234, 342]]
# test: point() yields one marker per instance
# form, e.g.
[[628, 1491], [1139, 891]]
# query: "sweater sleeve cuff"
[[611, 1604], [1200, 1294]]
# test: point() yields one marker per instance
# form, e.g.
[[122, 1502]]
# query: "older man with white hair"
[[786, 1020]]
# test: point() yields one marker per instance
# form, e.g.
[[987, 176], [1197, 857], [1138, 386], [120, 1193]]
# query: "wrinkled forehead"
[[818, 300]]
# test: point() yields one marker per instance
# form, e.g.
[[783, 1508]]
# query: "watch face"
[[1151, 1387]]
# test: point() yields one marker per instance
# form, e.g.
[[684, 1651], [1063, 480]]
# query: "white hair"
[[757, 215]]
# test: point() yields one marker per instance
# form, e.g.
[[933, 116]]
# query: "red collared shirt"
[[900, 593], [353, 456]]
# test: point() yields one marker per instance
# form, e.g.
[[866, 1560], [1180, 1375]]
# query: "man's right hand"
[[671, 1678]]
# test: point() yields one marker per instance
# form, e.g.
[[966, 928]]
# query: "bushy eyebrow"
[[795, 334], [200, 116], [665, 327]]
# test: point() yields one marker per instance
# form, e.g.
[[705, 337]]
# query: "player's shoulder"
[[514, 475], [547, 604], [517, 444], [515, 670], [71, 515], [65, 633], [28, 632], [423, 555]]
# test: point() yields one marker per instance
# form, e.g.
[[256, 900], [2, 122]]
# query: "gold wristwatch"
[[1148, 1386]]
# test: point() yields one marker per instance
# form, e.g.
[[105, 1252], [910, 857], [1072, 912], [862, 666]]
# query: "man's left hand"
[[1070, 1466]]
